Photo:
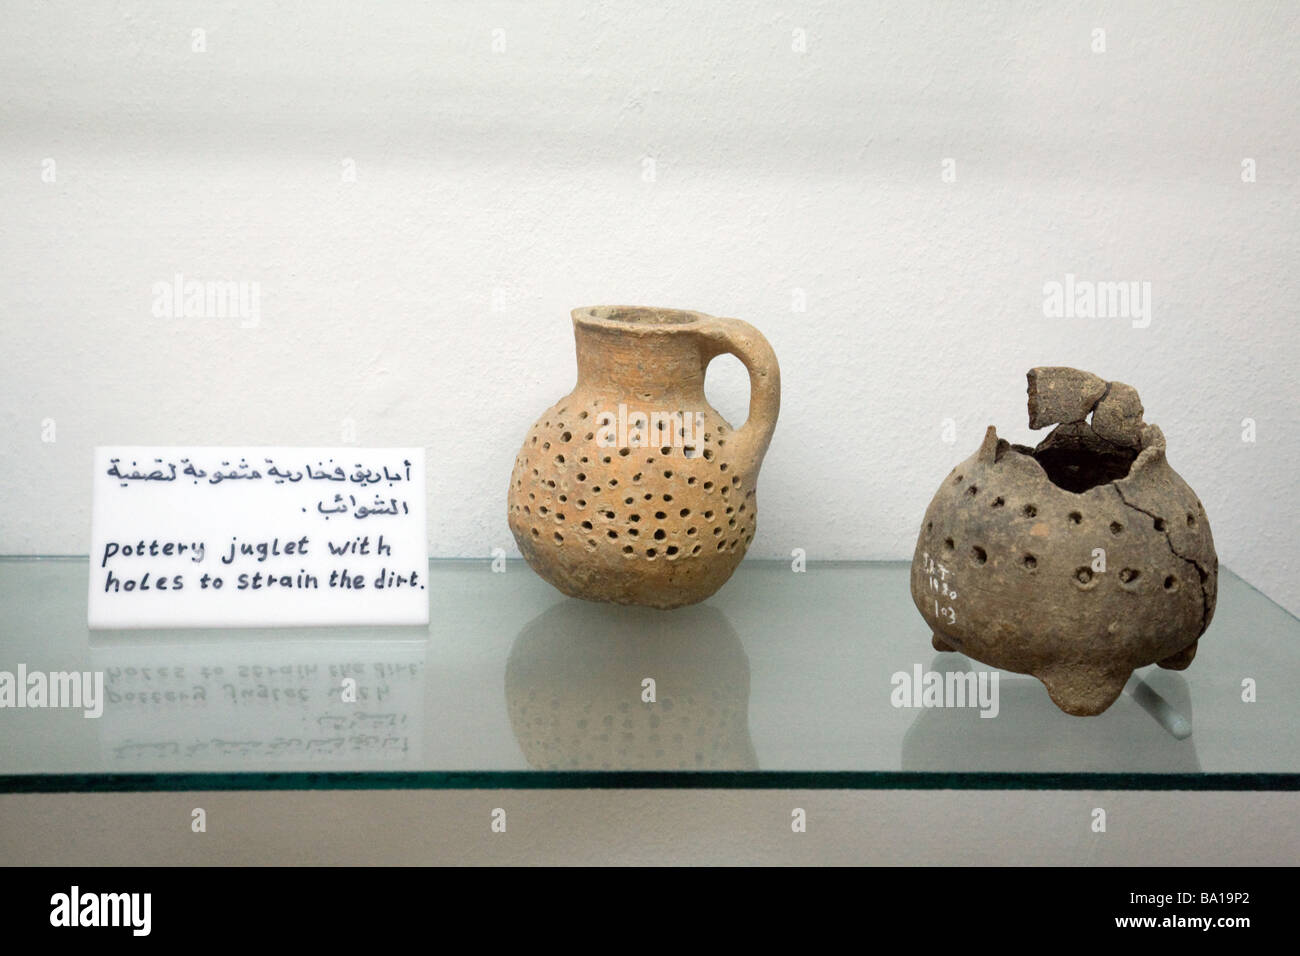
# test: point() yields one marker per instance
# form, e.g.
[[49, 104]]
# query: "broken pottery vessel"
[[632, 488], [1076, 561]]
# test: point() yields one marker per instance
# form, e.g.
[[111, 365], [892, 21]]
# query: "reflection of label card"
[[240, 537], [241, 707]]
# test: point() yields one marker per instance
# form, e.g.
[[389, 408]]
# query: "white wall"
[[517, 177]]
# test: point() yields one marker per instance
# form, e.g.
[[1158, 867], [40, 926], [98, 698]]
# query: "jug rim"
[[637, 318]]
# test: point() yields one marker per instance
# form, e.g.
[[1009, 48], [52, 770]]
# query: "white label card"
[[256, 537]]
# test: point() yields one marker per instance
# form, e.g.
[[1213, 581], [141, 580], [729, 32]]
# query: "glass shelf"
[[779, 680]]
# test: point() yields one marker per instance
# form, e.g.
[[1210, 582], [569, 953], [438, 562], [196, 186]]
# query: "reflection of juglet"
[[574, 688]]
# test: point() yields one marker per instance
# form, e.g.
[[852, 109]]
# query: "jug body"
[[632, 488]]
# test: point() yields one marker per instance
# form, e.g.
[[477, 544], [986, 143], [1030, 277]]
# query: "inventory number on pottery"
[[942, 583]]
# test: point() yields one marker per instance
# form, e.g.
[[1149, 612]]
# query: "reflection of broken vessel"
[[1076, 561]]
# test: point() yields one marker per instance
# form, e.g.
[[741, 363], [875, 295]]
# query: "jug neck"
[[638, 354]]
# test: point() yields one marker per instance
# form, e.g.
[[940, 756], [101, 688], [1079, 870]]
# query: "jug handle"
[[723, 336]]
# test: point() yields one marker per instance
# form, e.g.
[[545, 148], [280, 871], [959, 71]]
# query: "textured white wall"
[[498, 188]]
